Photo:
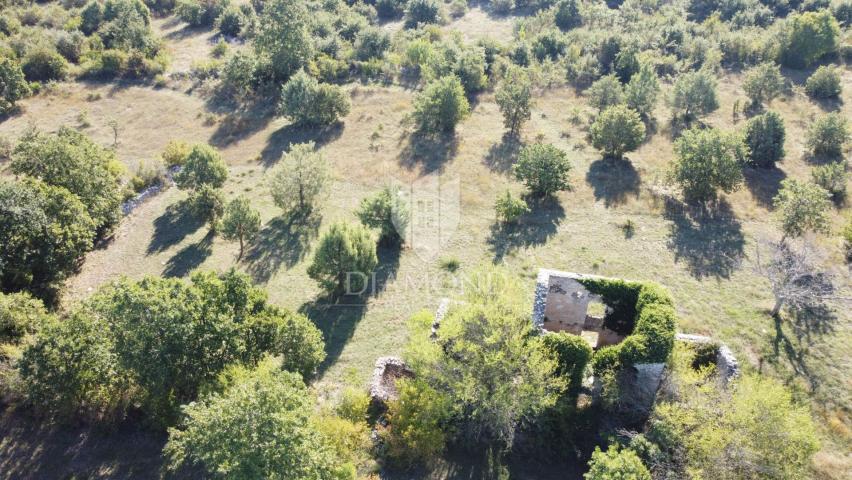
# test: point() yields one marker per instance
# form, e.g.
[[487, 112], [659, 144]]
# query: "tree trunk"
[[776, 310], [240, 256]]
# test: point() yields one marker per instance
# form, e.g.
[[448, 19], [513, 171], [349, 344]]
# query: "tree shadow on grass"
[[284, 138], [189, 257], [533, 228], [764, 183], [501, 156], [428, 151], [285, 240], [242, 119], [788, 351], [175, 224], [613, 181], [708, 238]]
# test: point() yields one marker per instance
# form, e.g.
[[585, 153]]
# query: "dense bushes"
[[828, 134], [283, 41], [307, 102], [156, 342], [43, 65], [198, 13], [20, 315], [441, 105], [14, 85], [764, 137], [572, 354], [707, 161], [419, 12], [807, 37], [824, 83]]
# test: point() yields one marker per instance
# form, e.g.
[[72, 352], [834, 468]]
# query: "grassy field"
[[704, 258]]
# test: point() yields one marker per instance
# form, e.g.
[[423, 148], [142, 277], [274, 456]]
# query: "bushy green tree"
[[44, 233], [828, 134], [203, 166], [71, 160], [572, 354], [567, 14], [415, 434], [509, 208], [707, 160], [470, 68], [606, 92], [802, 207], [241, 221], [640, 93], [307, 102], [616, 463], [763, 83], [807, 37], [91, 16], [208, 205], [514, 98], [694, 94], [833, 178], [418, 12], [21, 315], [13, 85], [344, 259], [283, 39], [824, 83], [617, 130], [43, 64], [441, 105], [300, 179], [260, 426], [386, 212], [764, 137], [232, 22], [544, 169], [371, 42]]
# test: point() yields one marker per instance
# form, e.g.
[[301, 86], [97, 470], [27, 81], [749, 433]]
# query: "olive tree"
[[707, 160], [283, 38], [344, 259], [241, 221], [617, 130], [441, 105], [764, 137], [544, 169], [694, 94], [514, 98], [300, 179], [802, 207]]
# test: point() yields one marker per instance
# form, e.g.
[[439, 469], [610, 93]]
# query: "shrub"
[[605, 93], [241, 222], [238, 74], [390, 8], [568, 14], [618, 463], [802, 207], [70, 45], [419, 12], [200, 13], [502, 6], [572, 354], [91, 17], [510, 208], [544, 169], [514, 98], [14, 85], [847, 240], [300, 179], [833, 178], [617, 130], [824, 83], [267, 416], [207, 204], [371, 42], [307, 102], [707, 161], [43, 65], [232, 22], [550, 44], [441, 105], [763, 83], [583, 70], [202, 167], [386, 212], [175, 153], [344, 259], [842, 11], [470, 68], [9, 24], [113, 63], [764, 137], [458, 8], [20, 315], [828, 134], [807, 37], [415, 435], [71, 160], [694, 94], [640, 93]]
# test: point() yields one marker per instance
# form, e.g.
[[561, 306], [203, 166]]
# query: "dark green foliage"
[[824, 83], [514, 98], [71, 160], [764, 137], [44, 233], [207, 204], [200, 13], [91, 17], [419, 12], [202, 167], [763, 83], [344, 259], [386, 212], [694, 94], [613, 464], [20, 315], [390, 8], [707, 160], [283, 40], [157, 341], [371, 42], [232, 22], [657, 324], [44, 65], [568, 14], [13, 85], [807, 37], [705, 354], [572, 353], [544, 169], [70, 45], [550, 44], [606, 92], [441, 105], [307, 102], [621, 297], [833, 178], [828, 134], [617, 130]]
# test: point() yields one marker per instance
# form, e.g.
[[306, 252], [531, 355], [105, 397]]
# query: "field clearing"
[[704, 260]]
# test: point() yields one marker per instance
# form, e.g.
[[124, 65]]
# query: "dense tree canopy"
[[309, 103], [544, 169], [441, 105], [13, 86], [694, 94], [764, 137], [344, 259], [283, 39], [807, 37], [707, 160], [617, 130], [202, 167]]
